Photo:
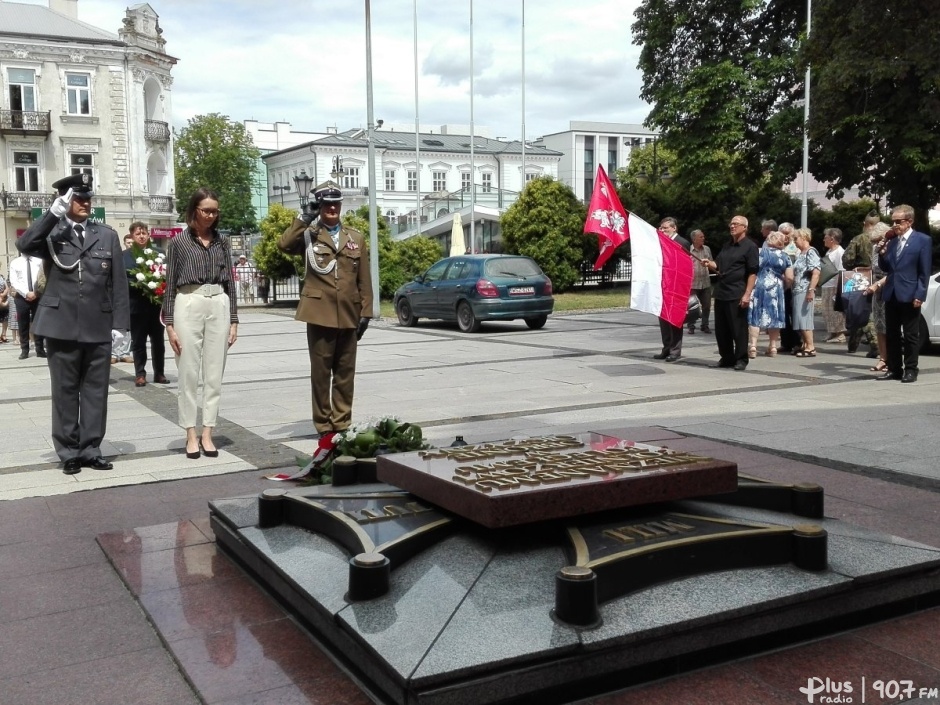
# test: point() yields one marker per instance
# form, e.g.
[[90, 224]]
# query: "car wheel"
[[466, 321], [924, 335], [406, 316], [536, 322]]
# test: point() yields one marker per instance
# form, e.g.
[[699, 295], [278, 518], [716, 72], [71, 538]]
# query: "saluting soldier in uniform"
[[335, 303], [85, 299]]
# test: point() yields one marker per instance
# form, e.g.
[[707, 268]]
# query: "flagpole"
[[522, 186], [473, 180], [417, 128]]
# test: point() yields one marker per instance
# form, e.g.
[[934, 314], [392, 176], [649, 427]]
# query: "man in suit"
[[25, 273], [906, 259], [84, 300], [671, 335], [145, 314], [335, 303]]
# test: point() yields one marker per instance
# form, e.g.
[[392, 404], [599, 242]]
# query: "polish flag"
[[662, 270]]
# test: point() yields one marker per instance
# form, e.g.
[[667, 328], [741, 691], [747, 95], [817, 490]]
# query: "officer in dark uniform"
[[335, 303], [85, 299]]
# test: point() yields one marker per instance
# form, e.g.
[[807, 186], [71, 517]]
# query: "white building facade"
[[79, 99], [424, 177], [584, 145]]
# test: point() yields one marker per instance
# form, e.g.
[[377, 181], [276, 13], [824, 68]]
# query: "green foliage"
[[546, 223], [267, 256], [363, 441], [214, 152]]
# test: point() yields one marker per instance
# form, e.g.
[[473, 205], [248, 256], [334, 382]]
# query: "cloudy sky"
[[304, 62]]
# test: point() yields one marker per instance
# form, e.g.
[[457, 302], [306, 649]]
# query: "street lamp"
[[281, 190], [665, 178], [303, 183], [338, 170]]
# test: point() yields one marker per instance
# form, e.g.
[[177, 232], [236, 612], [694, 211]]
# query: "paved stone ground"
[[66, 620]]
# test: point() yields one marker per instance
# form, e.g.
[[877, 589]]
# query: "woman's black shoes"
[[207, 453]]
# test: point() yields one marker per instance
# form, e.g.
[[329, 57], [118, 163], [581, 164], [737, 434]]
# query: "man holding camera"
[[335, 303], [84, 300]]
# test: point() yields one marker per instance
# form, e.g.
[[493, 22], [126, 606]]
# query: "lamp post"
[[665, 178], [281, 190], [338, 170], [303, 183]]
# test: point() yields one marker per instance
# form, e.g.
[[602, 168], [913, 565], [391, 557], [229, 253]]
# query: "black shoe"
[[661, 356], [72, 466], [740, 366], [160, 379], [889, 376], [41, 353], [207, 453], [786, 351], [873, 355], [98, 463], [672, 358], [24, 354], [706, 329], [909, 376], [724, 364], [692, 330]]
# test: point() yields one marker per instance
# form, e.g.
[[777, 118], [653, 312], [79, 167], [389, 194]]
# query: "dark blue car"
[[469, 289]]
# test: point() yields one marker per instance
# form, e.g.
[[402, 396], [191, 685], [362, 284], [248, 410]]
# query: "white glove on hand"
[[117, 336], [60, 206]]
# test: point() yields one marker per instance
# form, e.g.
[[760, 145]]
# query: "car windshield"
[[521, 267]]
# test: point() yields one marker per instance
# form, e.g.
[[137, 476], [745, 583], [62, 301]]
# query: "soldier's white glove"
[[117, 335], [60, 206]]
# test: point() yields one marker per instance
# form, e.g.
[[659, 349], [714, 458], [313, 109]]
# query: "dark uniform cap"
[[79, 183], [327, 192]]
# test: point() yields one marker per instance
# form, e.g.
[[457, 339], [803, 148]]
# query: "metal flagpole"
[[804, 206], [417, 127], [473, 180], [522, 2], [373, 223]]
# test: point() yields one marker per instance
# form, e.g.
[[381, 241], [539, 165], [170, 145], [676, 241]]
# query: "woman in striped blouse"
[[201, 315]]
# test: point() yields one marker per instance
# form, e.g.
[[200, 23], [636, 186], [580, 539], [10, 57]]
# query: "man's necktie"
[[29, 274], [80, 234], [901, 244]]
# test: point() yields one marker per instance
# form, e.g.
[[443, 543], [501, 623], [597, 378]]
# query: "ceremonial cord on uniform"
[[312, 254]]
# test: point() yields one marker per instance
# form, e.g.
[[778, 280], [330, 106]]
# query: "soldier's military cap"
[[327, 192], [79, 183]]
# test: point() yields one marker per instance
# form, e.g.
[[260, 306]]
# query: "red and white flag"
[[661, 279], [606, 218]]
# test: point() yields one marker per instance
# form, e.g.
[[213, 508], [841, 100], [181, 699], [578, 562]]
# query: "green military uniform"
[[336, 296]]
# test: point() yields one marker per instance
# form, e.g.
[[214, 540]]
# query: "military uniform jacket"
[[337, 298], [86, 303]]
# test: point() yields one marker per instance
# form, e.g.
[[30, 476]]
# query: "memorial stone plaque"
[[521, 481]]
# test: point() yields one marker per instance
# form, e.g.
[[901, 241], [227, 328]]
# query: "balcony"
[[25, 200], [156, 131], [161, 204], [24, 123]]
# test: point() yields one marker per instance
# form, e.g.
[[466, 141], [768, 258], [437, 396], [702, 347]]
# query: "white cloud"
[[304, 62]]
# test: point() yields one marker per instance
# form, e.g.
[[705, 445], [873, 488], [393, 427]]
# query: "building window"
[[351, 177], [612, 160], [389, 179], [22, 89], [412, 218], [26, 171], [589, 154], [487, 182], [82, 163], [529, 177], [412, 181], [465, 181], [390, 217], [78, 93], [439, 180]]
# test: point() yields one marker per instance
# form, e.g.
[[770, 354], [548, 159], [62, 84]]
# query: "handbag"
[[827, 270]]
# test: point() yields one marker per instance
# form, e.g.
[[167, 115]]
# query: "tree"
[[875, 109], [214, 152], [269, 259], [726, 80], [546, 223]]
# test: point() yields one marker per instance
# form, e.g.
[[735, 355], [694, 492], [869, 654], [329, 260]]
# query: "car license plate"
[[521, 290]]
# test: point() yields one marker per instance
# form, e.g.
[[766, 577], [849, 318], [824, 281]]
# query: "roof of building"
[[433, 142], [20, 19]]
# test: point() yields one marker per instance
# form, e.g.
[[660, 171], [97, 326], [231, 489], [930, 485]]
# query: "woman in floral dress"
[[767, 302]]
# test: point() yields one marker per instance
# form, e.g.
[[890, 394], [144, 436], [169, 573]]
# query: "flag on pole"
[[606, 218], [661, 279]]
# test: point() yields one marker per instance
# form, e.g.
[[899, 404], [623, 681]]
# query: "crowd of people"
[[872, 290]]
